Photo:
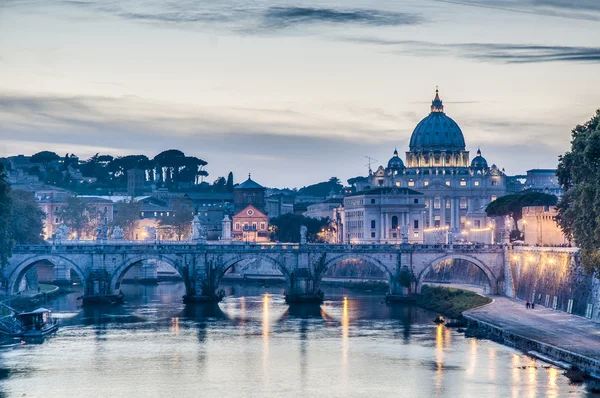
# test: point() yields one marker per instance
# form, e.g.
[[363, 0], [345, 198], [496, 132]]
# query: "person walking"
[[527, 305], [532, 305]]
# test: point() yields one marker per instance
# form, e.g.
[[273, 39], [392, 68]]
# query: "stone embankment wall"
[[477, 328], [554, 278]]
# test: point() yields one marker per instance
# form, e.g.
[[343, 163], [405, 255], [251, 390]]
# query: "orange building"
[[250, 225]]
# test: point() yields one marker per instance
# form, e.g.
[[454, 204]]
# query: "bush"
[[448, 301]]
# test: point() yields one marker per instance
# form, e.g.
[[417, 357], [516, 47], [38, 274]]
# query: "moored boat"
[[33, 324]]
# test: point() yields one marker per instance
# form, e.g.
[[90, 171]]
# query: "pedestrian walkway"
[[559, 329]]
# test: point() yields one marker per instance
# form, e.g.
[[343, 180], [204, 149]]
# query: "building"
[[543, 180], [540, 228], [438, 165], [279, 204], [136, 178], [250, 225], [249, 193], [384, 215], [324, 209]]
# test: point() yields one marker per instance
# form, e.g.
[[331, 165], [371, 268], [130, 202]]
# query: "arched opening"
[[394, 222], [146, 279], [41, 274], [352, 272], [252, 276], [459, 271]]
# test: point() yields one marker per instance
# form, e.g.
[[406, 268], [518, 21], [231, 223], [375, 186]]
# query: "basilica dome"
[[437, 132], [479, 161], [395, 162]]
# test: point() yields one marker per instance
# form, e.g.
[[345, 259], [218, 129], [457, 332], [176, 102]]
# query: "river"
[[253, 345]]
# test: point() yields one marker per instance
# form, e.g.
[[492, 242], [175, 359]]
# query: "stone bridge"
[[101, 266]]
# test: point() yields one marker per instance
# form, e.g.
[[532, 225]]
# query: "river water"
[[253, 345]]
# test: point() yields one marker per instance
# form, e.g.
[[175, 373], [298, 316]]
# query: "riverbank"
[[25, 302], [566, 340], [450, 302]]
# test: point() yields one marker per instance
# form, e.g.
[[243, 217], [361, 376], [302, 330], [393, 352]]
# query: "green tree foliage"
[[128, 217], [6, 241], [119, 166], [26, 220], [44, 157], [354, 180], [179, 222], [77, 215], [229, 184], [512, 205], [579, 175], [322, 189], [287, 227]]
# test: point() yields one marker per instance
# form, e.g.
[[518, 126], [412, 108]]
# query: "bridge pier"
[[302, 288], [62, 274]]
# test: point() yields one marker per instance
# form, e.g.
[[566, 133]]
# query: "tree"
[[229, 184], [128, 217], [6, 241], [77, 215], [27, 218], [44, 157], [287, 227], [179, 222], [322, 189], [512, 205], [579, 208]]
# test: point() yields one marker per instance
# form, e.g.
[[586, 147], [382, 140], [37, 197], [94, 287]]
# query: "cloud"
[[282, 17], [490, 52], [570, 9]]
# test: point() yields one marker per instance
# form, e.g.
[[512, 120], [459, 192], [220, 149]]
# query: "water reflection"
[[246, 345]]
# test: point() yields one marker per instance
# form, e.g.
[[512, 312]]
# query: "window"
[[372, 223], [463, 183], [262, 226], [415, 234], [105, 209], [448, 183], [411, 183], [448, 204], [416, 224], [397, 183], [425, 183], [436, 221], [463, 221], [416, 200], [56, 220], [436, 202], [380, 183], [142, 214], [476, 183], [254, 226], [394, 222], [237, 225], [168, 213], [494, 181], [372, 201], [372, 234], [477, 223], [463, 202], [155, 214], [494, 197]]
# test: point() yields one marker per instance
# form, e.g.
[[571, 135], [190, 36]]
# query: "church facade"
[[455, 188]]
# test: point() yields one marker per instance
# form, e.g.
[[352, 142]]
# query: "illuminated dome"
[[479, 161], [395, 162], [437, 132]]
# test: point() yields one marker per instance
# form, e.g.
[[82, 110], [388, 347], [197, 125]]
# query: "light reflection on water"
[[253, 344]]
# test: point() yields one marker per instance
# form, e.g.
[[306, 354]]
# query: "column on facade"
[[442, 211], [457, 200], [381, 237], [384, 228], [451, 212], [430, 212]]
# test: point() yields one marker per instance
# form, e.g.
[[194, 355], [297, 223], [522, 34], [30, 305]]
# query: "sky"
[[295, 92]]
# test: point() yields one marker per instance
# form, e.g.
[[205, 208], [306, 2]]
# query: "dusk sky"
[[295, 92]]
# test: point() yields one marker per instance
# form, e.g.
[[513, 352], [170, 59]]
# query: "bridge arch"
[[119, 272], [18, 272], [333, 261], [493, 280], [231, 261]]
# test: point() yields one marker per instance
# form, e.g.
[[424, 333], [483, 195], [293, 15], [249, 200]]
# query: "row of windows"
[[395, 223], [462, 183], [254, 227]]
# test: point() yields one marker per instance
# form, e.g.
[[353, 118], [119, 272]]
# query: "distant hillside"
[[322, 188]]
